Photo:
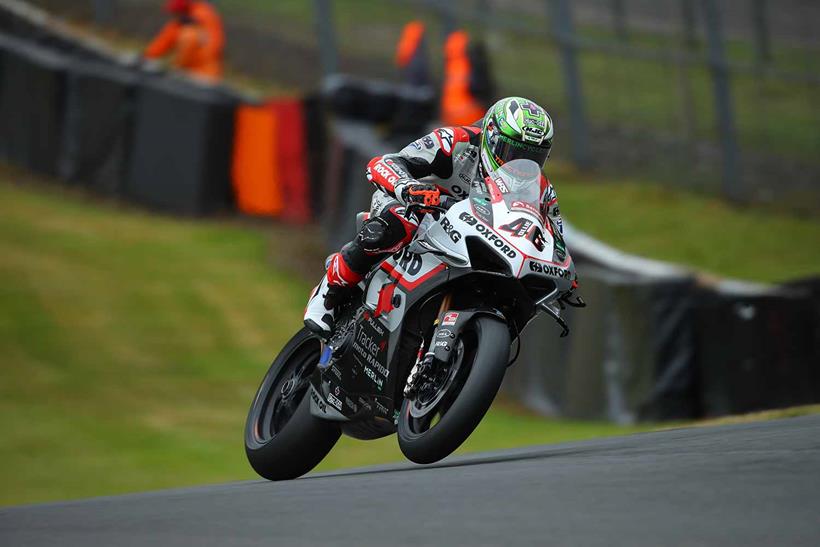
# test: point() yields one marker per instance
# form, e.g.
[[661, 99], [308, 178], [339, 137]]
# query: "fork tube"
[[445, 303]]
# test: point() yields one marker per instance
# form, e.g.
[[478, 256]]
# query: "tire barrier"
[[255, 169], [278, 149], [401, 108], [183, 140], [291, 151], [98, 126], [158, 140], [32, 93]]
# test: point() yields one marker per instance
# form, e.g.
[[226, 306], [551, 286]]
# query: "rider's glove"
[[411, 191]]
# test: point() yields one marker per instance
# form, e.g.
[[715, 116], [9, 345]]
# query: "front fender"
[[450, 324]]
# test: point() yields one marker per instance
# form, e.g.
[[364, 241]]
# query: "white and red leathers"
[[448, 158]]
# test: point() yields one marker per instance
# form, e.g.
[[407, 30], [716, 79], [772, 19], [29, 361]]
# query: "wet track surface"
[[750, 484]]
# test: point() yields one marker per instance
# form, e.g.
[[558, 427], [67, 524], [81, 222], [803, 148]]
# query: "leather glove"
[[412, 191]]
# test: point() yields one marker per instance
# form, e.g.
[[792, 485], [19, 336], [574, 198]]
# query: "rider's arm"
[[208, 19], [549, 204], [164, 41], [429, 155]]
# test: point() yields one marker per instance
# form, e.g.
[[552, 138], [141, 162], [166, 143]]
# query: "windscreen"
[[519, 183]]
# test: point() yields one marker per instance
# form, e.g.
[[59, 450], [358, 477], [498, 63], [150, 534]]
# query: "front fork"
[[424, 360]]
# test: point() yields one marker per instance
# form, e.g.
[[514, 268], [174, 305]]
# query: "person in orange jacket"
[[196, 37], [411, 55], [468, 86]]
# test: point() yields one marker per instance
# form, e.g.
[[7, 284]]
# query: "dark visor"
[[506, 149]]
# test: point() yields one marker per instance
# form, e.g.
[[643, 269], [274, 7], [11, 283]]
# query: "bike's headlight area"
[[486, 258]]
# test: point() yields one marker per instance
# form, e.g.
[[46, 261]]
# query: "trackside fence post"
[[563, 30], [723, 100], [447, 13], [763, 50], [103, 11], [326, 33]]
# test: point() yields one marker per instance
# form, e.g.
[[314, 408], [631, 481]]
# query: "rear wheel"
[[449, 407], [283, 440]]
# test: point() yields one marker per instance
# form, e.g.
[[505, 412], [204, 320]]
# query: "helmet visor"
[[505, 149]]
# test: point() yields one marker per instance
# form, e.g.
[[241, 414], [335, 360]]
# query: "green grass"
[[706, 233], [132, 343]]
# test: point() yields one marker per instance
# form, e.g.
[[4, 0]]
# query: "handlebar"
[[446, 203]]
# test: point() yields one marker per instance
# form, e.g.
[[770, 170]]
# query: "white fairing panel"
[[386, 292]]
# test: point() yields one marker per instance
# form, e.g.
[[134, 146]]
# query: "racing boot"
[[321, 308]]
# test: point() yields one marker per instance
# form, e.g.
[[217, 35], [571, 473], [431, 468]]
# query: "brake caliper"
[[419, 373]]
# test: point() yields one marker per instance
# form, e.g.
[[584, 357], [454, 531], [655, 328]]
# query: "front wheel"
[[283, 440], [452, 404]]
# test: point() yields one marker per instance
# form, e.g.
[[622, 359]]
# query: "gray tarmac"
[[749, 484]]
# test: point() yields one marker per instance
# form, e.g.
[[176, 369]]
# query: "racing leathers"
[[447, 158]]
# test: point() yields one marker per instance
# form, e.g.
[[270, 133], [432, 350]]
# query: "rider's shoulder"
[[451, 134]]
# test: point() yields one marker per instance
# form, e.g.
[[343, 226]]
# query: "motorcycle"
[[421, 346]]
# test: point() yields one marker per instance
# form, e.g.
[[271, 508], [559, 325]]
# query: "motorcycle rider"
[[446, 161]]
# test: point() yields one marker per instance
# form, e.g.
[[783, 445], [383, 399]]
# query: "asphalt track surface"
[[750, 484]]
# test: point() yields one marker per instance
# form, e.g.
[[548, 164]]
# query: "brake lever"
[[411, 207], [563, 324], [577, 303]]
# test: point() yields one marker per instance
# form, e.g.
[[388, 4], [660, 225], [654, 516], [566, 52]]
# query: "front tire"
[[428, 433], [283, 440]]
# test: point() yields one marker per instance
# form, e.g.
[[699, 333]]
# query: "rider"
[[445, 161]]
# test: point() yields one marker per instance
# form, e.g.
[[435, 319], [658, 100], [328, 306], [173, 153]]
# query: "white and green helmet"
[[515, 128]]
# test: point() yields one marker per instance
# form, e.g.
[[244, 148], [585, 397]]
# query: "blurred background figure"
[[195, 36], [412, 55], [468, 86]]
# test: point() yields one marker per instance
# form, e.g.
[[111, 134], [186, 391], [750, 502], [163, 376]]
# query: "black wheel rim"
[[283, 390], [432, 404]]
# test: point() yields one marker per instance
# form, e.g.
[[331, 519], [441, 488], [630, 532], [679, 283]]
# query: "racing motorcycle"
[[422, 344]]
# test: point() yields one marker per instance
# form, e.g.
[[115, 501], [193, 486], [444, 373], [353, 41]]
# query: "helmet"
[[515, 128], [178, 7]]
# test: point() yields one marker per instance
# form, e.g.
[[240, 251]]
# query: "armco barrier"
[[26, 22], [629, 356], [98, 128], [32, 93], [756, 348], [183, 140]]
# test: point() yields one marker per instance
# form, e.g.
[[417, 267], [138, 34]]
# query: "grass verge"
[[704, 232]]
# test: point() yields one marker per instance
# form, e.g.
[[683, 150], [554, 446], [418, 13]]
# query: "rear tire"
[[468, 399], [283, 440]]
